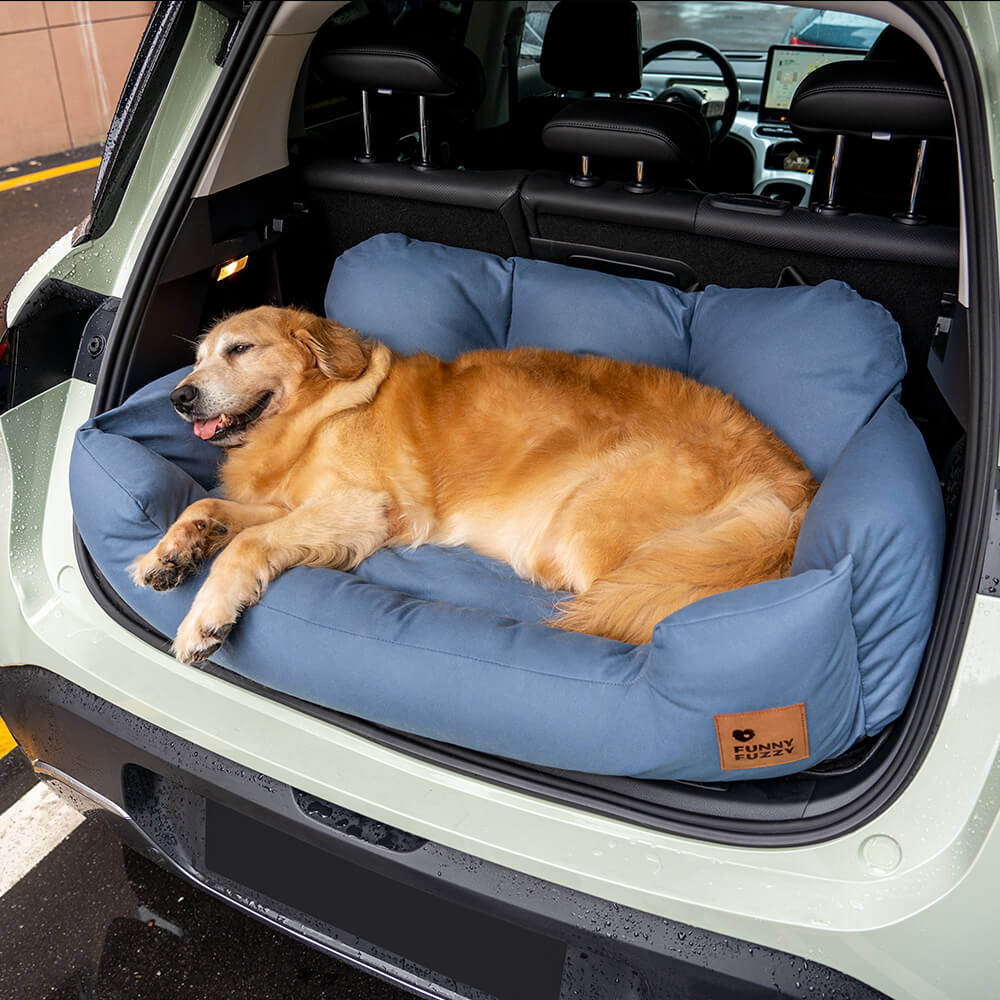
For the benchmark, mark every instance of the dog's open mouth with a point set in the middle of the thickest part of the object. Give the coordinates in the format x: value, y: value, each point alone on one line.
x: 225, y: 424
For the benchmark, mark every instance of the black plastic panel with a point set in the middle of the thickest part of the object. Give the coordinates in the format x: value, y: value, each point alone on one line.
x: 859, y: 237
x: 46, y: 334
x: 460, y: 942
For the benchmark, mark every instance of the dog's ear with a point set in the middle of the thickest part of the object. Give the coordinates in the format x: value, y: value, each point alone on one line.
x: 340, y: 352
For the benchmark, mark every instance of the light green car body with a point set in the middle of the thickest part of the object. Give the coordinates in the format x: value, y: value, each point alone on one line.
x: 908, y: 903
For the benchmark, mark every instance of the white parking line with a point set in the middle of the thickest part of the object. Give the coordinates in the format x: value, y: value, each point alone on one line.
x: 35, y: 824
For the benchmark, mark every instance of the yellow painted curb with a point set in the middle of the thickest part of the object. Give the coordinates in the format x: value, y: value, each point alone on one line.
x: 6, y: 740
x: 44, y: 175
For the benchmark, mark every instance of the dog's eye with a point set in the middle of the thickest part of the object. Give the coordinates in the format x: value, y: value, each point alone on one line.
x: 239, y: 348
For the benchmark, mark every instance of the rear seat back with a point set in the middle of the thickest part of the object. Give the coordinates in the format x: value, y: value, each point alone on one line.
x: 480, y: 210
x: 351, y: 199
x: 691, y: 240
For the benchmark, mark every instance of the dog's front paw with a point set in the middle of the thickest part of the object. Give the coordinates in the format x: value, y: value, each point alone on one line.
x: 179, y: 554
x: 215, y: 611
x: 197, y: 641
x: 162, y: 572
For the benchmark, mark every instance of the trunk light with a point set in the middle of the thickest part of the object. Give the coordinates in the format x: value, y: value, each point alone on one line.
x: 231, y: 267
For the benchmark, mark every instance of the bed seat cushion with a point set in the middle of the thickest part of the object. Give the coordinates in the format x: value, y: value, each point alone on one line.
x: 451, y: 645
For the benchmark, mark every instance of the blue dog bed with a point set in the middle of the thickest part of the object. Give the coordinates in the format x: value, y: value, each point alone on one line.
x: 758, y: 682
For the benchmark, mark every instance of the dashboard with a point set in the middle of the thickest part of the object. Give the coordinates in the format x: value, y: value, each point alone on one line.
x: 782, y: 164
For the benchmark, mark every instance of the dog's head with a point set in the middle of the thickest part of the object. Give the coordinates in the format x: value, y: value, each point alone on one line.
x: 254, y: 365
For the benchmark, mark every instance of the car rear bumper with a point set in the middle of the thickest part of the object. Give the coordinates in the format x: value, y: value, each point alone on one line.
x: 435, y: 920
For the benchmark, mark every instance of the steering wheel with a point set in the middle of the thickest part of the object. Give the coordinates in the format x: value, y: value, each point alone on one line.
x: 719, y: 124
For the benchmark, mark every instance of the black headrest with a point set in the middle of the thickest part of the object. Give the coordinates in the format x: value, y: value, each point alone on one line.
x: 593, y: 45
x: 631, y: 130
x: 433, y: 67
x: 871, y: 96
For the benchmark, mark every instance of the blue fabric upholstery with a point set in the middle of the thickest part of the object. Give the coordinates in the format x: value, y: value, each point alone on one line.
x: 450, y: 645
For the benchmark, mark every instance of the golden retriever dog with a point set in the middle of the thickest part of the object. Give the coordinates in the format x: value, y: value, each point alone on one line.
x: 633, y: 487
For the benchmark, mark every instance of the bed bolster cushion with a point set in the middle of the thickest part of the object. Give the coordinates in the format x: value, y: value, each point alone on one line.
x: 882, y: 502
x: 813, y: 362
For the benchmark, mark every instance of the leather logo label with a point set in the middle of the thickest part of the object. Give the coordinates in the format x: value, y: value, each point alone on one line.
x: 762, y: 739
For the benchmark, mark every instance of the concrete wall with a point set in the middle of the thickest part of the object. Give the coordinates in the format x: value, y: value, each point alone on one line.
x: 62, y: 67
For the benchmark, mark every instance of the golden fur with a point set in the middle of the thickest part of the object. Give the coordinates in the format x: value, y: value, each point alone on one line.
x: 633, y: 487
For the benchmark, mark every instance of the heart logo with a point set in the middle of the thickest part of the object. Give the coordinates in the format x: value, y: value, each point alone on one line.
x: 743, y: 735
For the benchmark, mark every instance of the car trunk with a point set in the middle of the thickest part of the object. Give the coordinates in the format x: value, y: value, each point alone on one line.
x: 292, y: 223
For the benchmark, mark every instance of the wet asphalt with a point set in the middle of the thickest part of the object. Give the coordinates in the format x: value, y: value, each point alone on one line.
x: 93, y: 920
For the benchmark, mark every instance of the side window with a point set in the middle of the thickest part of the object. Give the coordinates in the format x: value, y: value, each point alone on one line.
x: 140, y: 98
x: 536, y: 19
x: 529, y: 77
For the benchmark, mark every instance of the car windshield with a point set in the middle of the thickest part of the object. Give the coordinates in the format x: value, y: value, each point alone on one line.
x: 732, y: 27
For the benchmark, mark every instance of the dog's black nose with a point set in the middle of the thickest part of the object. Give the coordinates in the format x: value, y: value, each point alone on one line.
x: 183, y: 397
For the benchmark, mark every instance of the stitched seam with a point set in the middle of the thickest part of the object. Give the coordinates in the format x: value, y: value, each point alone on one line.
x: 855, y: 568
x: 866, y: 88
x: 447, y: 652
x: 393, y: 54
x: 631, y: 130
x: 510, y: 300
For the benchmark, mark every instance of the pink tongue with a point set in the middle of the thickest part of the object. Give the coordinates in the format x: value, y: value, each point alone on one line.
x: 206, y: 428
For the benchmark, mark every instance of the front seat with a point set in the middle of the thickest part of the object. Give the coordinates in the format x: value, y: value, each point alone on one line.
x: 589, y: 48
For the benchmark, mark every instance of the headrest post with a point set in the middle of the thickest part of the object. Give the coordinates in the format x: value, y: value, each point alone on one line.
x: 640, y: 185
x: 425, y: 146
x: 585, y: 178
x: 910, y: 217
x: 368, y: 156
x: 830, y: 207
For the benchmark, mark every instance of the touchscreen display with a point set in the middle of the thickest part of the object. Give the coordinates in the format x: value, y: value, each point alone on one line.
x: 787, y: 67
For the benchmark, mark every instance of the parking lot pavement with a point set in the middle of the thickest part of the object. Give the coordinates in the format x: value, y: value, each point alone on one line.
x: 81, y: 916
